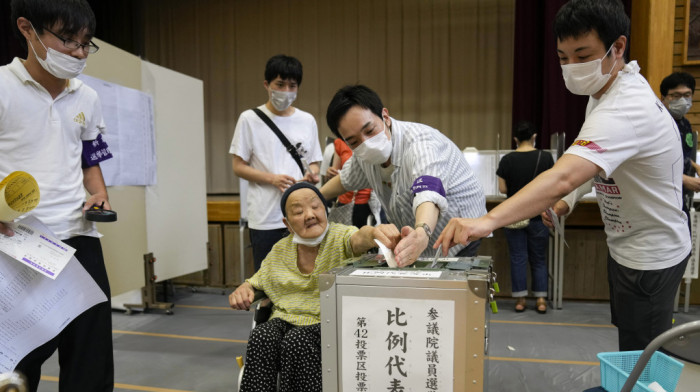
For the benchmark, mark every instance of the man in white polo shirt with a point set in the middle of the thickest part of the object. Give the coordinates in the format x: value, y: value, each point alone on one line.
x: 50, y: 126
x: 629, y: 147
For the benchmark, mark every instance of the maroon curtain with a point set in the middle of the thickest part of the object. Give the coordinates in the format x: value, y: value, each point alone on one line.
x: 539, y: 94
x: 119, y: 22
x: 9, y: 44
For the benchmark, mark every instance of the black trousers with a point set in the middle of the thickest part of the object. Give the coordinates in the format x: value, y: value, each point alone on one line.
x: 84, y: 346
x: 641, y: 302
x: 278, y: 346
x: 262, y: 242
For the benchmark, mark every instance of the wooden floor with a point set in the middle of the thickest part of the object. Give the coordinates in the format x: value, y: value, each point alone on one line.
x: 195, y: 349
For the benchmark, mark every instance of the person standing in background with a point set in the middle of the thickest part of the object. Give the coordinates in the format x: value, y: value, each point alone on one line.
x: 527, y: 243
x: 50, y: 126
x: 677, y: 91
x: 260, y: 156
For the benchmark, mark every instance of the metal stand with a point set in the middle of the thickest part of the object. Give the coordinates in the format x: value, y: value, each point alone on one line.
x: 148, y: 293
x: 556, y: 265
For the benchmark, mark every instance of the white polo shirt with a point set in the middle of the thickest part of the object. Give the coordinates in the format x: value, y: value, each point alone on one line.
x: 258, y: 145
x: 629, y: 134
x: 43, y: 137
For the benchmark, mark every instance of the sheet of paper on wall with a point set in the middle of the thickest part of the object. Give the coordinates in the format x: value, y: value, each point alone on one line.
x: 33, y: 246
x: 34, y: 308
x: 130, y: 133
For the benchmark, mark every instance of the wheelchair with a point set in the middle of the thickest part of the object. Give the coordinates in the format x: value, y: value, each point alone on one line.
x: 261, y: 313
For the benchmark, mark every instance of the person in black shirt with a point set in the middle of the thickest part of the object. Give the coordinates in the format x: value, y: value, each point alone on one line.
x: 677, y: 95
x: 527, y: 242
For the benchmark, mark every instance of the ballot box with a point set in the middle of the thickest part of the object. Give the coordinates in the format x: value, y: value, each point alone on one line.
x: 420, y: 328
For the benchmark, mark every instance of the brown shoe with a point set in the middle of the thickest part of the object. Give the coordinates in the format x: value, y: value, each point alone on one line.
x: 520, y: 305
x: 541, y: 306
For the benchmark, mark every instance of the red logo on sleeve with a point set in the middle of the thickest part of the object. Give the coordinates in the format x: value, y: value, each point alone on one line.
x: 589, y: 144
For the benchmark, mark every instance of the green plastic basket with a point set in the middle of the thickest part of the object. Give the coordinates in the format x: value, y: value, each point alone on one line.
x: 615, y: 367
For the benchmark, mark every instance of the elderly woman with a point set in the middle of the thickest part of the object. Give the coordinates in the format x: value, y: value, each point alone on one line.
x: 290, y: 342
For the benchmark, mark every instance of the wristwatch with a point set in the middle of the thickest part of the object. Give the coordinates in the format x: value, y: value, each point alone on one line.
x: 426, y: 228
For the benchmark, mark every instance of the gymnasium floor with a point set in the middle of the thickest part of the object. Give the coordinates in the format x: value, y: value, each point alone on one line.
x: 195, y: 349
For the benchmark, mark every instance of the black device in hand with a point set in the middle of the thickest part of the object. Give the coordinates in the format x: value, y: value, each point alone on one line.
x: 99, y: 214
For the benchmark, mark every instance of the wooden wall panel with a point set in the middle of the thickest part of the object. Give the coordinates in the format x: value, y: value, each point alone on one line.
x: 446, y: 63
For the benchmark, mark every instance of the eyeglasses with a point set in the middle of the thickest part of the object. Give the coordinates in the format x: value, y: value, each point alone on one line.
x: 90, y: 47
x: 676, y: 96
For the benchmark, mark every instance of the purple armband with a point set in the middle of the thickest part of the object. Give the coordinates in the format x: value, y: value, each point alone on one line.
x: 428, y: 183
x: 94, y: 152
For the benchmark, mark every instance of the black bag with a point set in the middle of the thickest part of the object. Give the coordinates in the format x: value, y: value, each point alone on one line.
x: 293, y: 151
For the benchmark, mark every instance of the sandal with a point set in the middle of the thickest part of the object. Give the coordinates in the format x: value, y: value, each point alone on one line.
x: 520, y: 305
x: 541, y: 306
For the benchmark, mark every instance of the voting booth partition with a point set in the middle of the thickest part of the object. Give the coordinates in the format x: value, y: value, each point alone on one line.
x: 167, y: 217
x: 416, y: 328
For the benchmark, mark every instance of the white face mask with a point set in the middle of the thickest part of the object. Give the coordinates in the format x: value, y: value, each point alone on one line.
x: 586, y: 78
x: 311, y: 242
x: 58, y: 64
x: 281, y: 100
x: 679, y: 107
x: 375, y: 150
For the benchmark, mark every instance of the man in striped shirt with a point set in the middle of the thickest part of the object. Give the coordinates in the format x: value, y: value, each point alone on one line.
x: 421, y: 177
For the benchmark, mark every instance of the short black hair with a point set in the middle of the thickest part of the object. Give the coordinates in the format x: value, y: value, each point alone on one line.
x: 677, y: 79
x: 286, y: 67
x: 524, y: 130
x: 346, y: 98
x: 606, y: 17
x: 70, y: 16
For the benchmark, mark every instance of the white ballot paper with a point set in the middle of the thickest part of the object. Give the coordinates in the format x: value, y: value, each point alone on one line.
x: 34, y: 308
x: 34, y: 247
x: 388, y: 254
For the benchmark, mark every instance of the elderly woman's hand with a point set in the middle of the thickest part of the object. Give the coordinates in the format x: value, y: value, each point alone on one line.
x: 387, y: 234
x: 242, y: 297
x: 363, y: 239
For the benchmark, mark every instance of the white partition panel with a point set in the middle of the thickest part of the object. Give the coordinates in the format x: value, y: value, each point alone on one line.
x: 124, y: 241
x: 176, y: 207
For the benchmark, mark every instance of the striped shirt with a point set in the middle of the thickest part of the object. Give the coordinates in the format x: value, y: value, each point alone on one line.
x: 420, y: 150
x: 295, y: 295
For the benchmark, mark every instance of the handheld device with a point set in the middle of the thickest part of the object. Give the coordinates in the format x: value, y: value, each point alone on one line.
x: 99, y: 214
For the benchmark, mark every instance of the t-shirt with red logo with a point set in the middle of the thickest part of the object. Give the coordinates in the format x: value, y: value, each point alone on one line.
x: 629, y: 134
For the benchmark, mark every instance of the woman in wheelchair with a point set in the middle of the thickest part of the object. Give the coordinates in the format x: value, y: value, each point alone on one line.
x: 290, y: 342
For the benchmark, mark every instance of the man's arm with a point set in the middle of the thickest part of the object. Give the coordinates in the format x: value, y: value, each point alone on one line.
x: 333, y: 188
x: 566, y: 205
x: 95, y: 185
x: 570, y: 172
x: 414, y: 239
x: 244, y: 171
